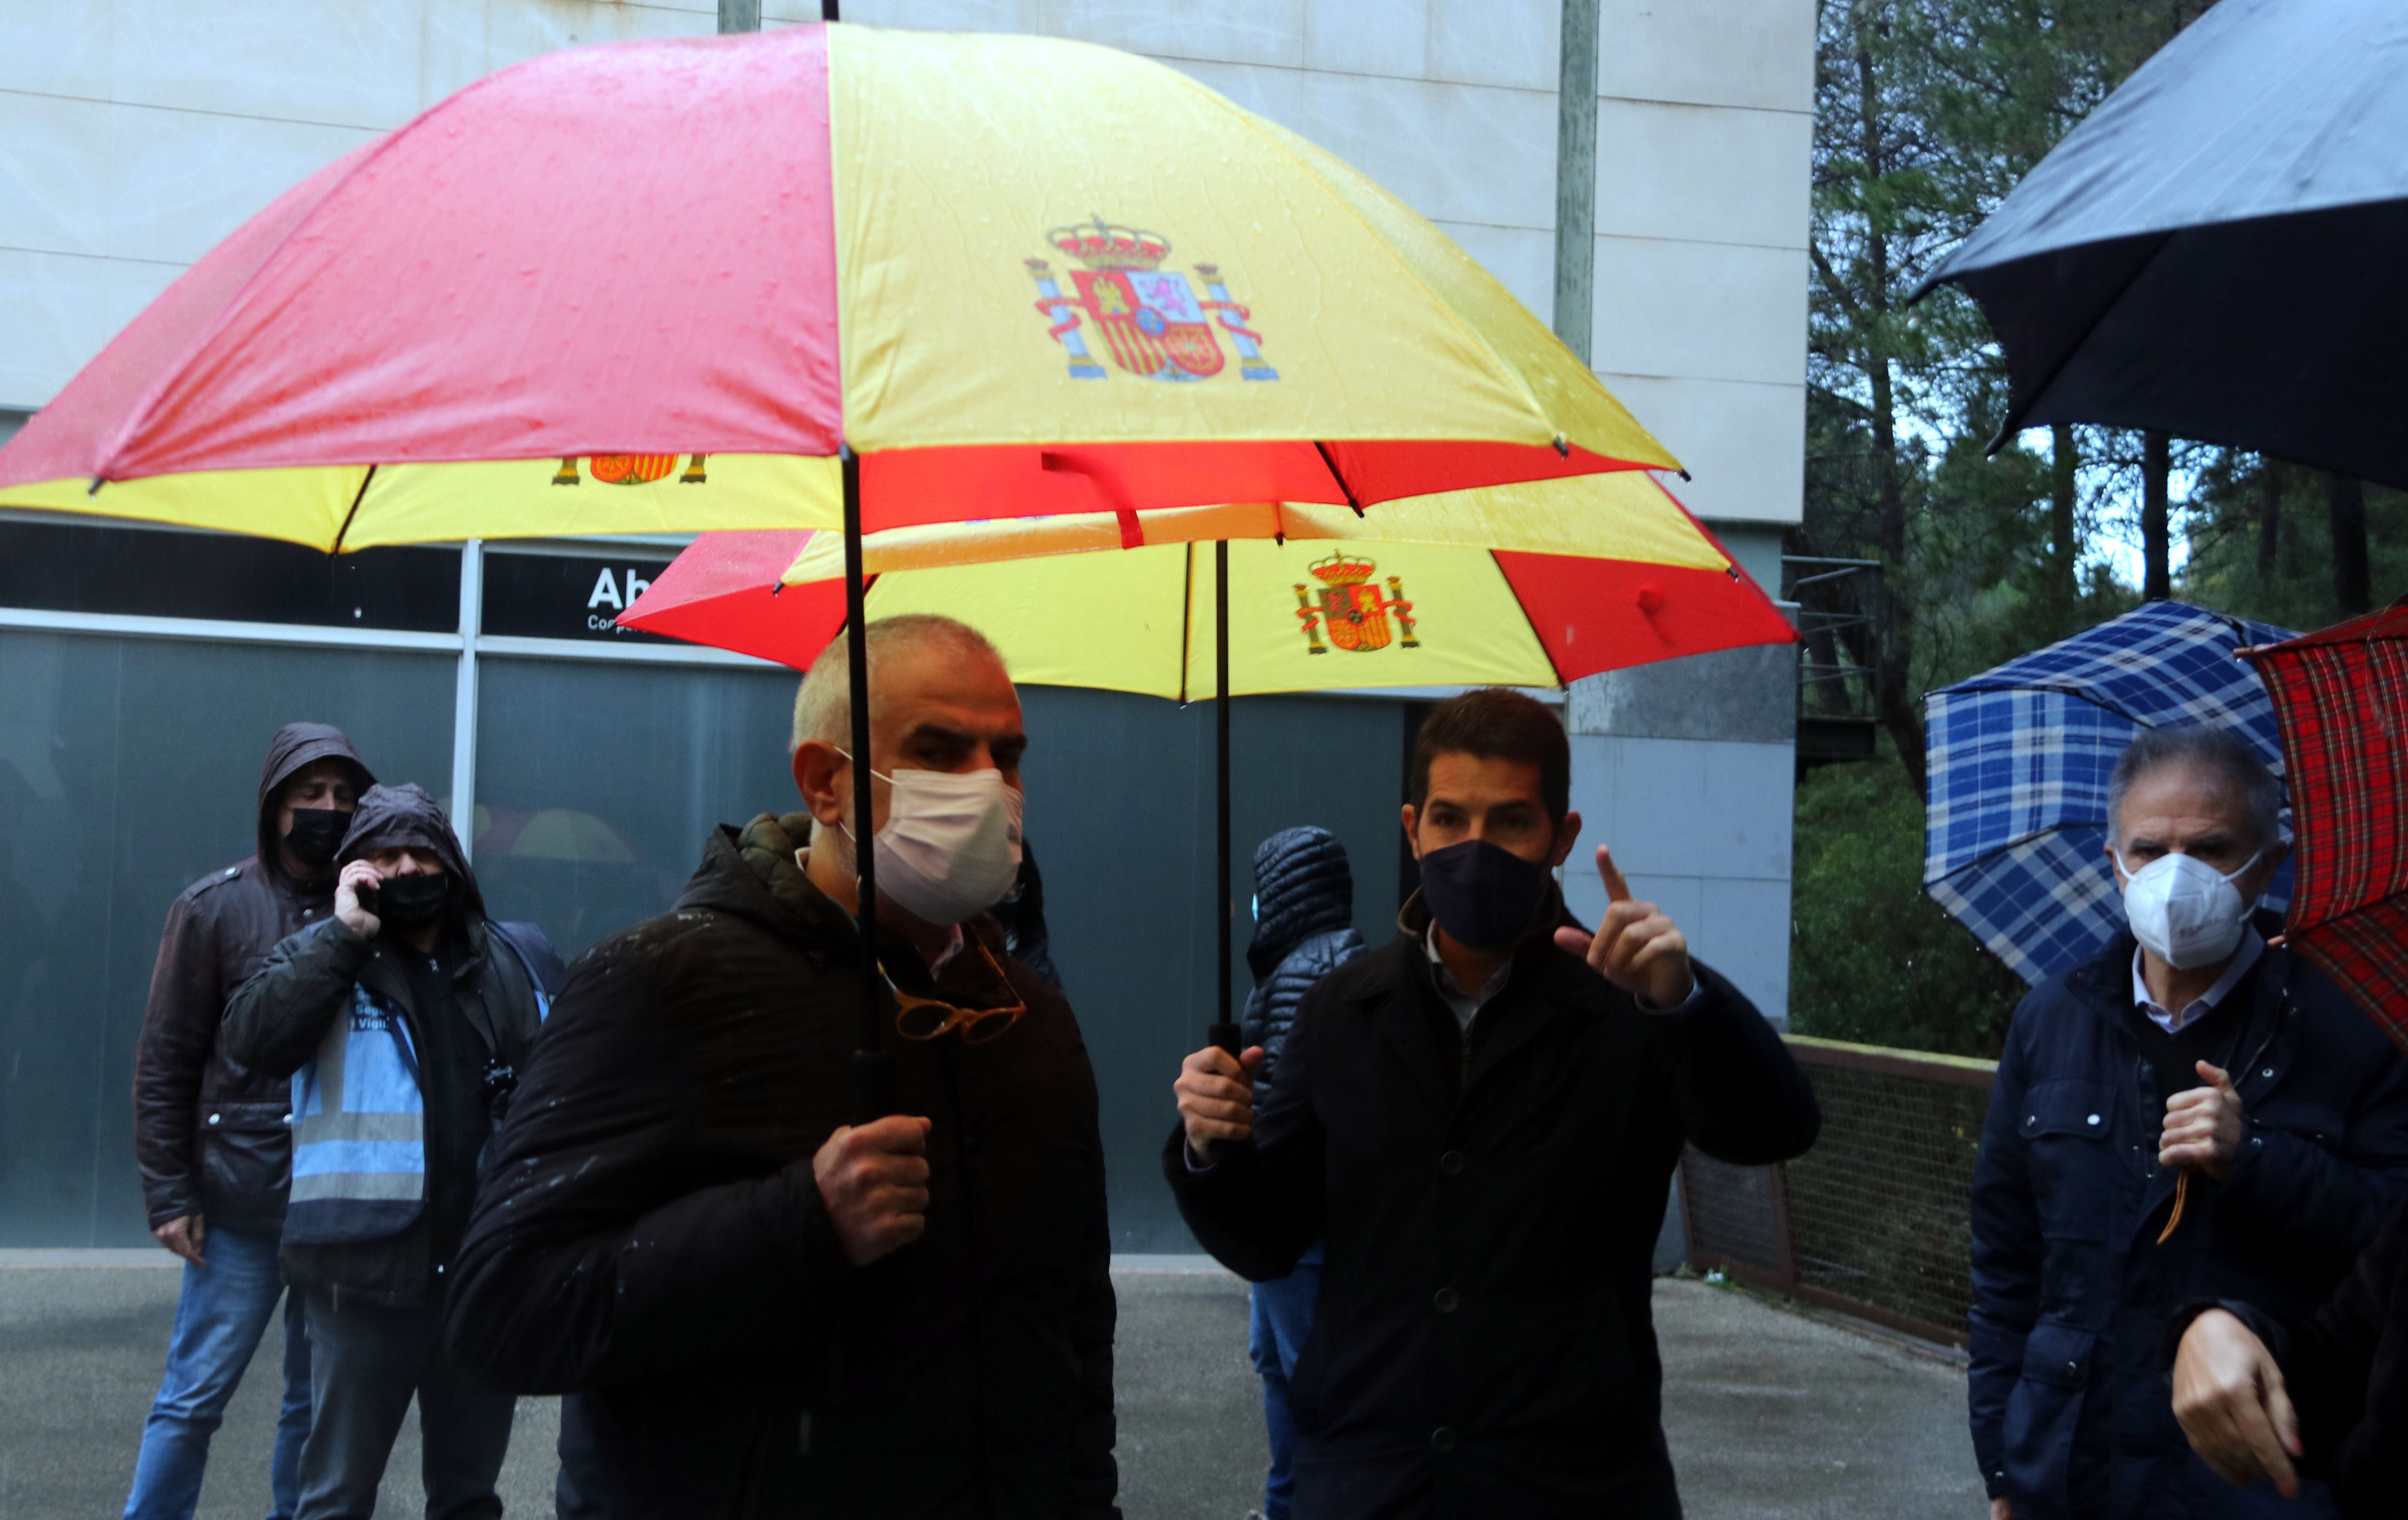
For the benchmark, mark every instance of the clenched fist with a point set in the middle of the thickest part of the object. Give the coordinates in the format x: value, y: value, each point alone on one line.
x: 1216, y: 1100
x: 2202, y: 1126
x: 874, y: 1180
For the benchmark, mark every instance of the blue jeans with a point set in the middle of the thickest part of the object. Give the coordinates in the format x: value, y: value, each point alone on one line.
x: 1282, y: 1317
x: 219, y: 1317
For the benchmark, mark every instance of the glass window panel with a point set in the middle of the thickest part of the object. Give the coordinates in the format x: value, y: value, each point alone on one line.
x: 129, y: 768
x: 597, y: 783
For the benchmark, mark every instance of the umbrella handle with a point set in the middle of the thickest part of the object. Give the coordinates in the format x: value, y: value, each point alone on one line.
x: 1224, y: 1036
x: 873, y: 1086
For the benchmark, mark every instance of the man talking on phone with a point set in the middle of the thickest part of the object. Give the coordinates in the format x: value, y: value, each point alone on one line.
x: 405, y: 1017
x: 1481, y: 1120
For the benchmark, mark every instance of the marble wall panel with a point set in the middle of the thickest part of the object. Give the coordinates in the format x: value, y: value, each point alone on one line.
x: 923, y: 15
x: 351, y: 64
x: 1453, y: 152
x: 1703, y: 174
x: 1277, y: 94
x: 1728, y: 312
x: 1483, y: 42
x: 1230, y: 31
x: 59, y: 309
x: 1744, y: 443
x: 59, y: 48
x: 1369, y: 37
x: 1742, y: 931
x: 54, y: 155
x: 1709, y: 53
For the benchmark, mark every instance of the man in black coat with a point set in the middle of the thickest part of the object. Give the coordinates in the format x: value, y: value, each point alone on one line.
x: 1482, y: 1118
x: 754, y: 1307
x: 2191, y: 1070
x: 212, y: 1138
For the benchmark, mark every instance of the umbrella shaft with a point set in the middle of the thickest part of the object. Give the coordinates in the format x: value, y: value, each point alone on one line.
x: 1228, y: 910
x: 874, y: 1070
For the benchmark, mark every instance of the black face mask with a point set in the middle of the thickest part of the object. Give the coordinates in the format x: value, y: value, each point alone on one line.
x: 316, y: 834
x: 1481, y: 895
x: 411, y: 902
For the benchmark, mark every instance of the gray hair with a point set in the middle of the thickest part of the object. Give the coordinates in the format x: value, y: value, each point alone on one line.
x: 2215, y: 752
x: 823, y: 703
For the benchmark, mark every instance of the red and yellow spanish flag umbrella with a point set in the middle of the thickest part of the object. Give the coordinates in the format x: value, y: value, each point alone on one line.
x: 660, y: 286
x: 821, y: 278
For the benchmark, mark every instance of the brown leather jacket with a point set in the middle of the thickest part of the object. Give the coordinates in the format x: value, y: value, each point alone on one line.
x: 211, y: 1138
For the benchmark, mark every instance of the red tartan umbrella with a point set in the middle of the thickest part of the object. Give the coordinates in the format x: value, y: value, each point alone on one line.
x: 2341, y: 698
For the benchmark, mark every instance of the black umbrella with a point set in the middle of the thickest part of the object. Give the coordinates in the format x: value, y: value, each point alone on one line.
x: 2220, y: 250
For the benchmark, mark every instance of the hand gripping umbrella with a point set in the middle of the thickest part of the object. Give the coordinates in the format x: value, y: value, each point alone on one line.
x: 821, y: 278
x: 2340, y: 695
x: 1531, y: 585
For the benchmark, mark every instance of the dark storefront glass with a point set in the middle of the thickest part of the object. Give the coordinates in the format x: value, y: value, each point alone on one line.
x: 129, y: 768
x: 1121, y: 813
x: 596, y: 783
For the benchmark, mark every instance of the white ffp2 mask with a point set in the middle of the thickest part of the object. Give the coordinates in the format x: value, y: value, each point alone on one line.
x: 951, y: 847
x: 2183, y: 910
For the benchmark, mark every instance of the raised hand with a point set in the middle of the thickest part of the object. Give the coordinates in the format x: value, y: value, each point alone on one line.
x: 874, y: 1180
x: 2230, y: 1397
x: 1216, y: 1100
x: 1636, y: 948
x: 357, y: 876
x: 2202, y: 1128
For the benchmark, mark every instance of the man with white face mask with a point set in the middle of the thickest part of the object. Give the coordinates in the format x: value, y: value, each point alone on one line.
x: 755, y: 1306
x: 2197, y: 1115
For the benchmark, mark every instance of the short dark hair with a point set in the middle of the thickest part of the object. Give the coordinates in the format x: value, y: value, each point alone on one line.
x: 2216, y: 751
x: 1497, y: 725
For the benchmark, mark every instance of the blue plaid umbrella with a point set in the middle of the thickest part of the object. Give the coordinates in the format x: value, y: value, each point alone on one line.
x: 2016, y: 828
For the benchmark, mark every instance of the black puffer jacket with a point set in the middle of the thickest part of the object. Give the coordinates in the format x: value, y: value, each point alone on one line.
x: 209, y: 1137
x: 649, y: 1237
x: 1304, y: 930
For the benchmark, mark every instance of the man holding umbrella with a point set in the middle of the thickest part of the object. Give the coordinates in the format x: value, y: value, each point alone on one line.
x: 2195, y: 1115
x: 1480, y: 1119
x: 759, y: 1300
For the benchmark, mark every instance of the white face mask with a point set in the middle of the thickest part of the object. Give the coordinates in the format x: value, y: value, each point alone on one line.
x: 2183, y: 910
x: 951, y: 847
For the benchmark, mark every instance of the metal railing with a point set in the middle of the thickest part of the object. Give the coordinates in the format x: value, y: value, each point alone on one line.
x: 1874, y: 1221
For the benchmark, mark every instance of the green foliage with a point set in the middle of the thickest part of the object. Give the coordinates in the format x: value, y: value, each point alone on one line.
x: 2296, y: 591
x: 1871, y: 959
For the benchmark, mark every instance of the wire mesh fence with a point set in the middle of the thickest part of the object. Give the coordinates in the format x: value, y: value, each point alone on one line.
x: 1875, y: 1218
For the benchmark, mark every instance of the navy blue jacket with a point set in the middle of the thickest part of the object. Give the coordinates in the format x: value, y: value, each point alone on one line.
x: 2071, y: 1413
x: 1304, y: 930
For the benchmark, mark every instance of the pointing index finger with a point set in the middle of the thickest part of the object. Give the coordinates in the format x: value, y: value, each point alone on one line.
x: 1617, y: 889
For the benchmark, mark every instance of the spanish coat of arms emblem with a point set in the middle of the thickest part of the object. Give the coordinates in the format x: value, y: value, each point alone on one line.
x: 630, y: 469
x: 1148, y: 318
x: 1349, y: 605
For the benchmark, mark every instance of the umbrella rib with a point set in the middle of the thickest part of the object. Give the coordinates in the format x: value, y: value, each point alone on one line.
x: 1187, y: 622
x: 357, y: 497
x: 1337, y: 475
x: 2015, y: 418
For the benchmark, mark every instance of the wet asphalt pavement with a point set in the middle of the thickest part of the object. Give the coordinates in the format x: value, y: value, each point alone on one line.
x: 1771, y: 1415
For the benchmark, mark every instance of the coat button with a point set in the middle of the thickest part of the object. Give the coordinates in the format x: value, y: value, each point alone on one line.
x: 1446, y: 1300
x: 1442, y: 1438
x: 2093, y: 1119
x: 2070, y: 1366
x: 214, y: 1118
x: 1451, y: 1164
x: 2268, y: 1072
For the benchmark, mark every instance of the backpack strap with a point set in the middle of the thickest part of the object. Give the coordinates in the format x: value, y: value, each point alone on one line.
x: 542, y: 963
